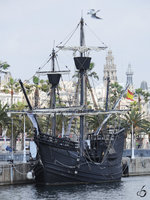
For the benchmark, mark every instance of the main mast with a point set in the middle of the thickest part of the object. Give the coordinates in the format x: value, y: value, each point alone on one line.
x: 82, y: 98
x: 82, y: 64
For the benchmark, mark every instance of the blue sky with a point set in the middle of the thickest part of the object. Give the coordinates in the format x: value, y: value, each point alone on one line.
x: 29, y: 28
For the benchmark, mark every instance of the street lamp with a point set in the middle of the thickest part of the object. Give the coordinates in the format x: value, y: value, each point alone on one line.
x: 24, y: 149
x: 12, y: 135
x: 132, y: 144
x: 12, y: 154
x: 24, y: 137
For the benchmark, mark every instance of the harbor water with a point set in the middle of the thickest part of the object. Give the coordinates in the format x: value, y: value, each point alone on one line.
x: 127, y: 188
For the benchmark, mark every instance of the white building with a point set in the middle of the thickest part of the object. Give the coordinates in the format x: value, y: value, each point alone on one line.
x: 5, y: 97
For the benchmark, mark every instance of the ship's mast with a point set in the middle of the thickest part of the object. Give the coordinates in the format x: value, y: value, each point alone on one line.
x: 53, y: 93
x: 53, y: 78
x: 82, y: 64
x: 82, y: 41
x: 82, y: 98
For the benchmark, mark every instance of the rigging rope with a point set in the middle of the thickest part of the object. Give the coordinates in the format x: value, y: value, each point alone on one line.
x: 71, y: 34
x: 96, y: 35
x: 63, y: 83
x: 38, y: 70
x: 95, y: 94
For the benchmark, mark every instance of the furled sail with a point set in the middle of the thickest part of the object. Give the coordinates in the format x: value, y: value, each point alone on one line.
x: 82, y: 49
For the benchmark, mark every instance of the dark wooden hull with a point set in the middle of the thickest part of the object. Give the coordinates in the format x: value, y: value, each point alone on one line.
x: 60, y: 164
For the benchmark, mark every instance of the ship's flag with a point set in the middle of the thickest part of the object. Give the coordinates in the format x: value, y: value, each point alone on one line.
x: 130, y: 95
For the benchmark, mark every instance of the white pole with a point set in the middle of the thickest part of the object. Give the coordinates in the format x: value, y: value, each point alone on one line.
x: 132, y: 156
x: 5, y: 144
x: 24, y: 150
x: 63, y: 128
x: 12, y: 137
x: 12, y: 153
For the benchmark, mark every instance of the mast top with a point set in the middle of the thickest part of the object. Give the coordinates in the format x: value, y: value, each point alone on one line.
x: 82, y: 48
x: 53, y: 60
x: 53, y: 75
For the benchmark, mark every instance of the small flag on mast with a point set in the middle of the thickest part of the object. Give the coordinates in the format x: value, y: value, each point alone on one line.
x: 130, y: 95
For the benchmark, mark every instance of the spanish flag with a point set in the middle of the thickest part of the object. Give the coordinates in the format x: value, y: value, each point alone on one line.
x: 130, y: 95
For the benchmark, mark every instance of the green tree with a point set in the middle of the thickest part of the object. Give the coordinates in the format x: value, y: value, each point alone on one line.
x: 4, y: 119
x: 94, y: 121
x: 29, y: 89
x: 36, y: 92
x: 139, y: 93
x: 16, y: 125
x: 11, y: 87
x: 39, y: 85
x: 146, y: 96
x: 3, y: 66
x: 136, y: 119
x: 91, y: 73
x: 115, y: 91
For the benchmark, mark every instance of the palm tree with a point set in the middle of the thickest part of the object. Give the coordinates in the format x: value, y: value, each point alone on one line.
x: 139, y: 93
x: 11, y: 87
x: 142, y: 95
x: 17, y: 125
x: 4, y: 119
x: 136, y: 119
x: 146, y: 96
x: 29, y: 89
x: 94, y: 122
x: 115, y: 91
x: 3, y: 67
x: 39, y: 85
x: 36, y: 92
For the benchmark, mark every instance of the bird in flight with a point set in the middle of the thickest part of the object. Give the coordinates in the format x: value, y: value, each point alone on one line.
x: 93, y: 13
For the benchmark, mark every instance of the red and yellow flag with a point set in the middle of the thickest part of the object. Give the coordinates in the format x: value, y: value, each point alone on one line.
x: 130, y: 95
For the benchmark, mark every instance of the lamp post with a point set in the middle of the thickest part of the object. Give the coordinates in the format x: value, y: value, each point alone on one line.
x: 24, y: 149
x: 12, y: 153
x: 12, y: 137
x: 132, y: 142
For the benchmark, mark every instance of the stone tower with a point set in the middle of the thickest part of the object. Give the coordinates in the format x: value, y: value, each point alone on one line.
x: 129, y: 74
x: 110, y: 69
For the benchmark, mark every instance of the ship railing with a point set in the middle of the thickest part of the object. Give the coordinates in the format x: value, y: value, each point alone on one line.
x: 64, y: 142
x: 108, y: 134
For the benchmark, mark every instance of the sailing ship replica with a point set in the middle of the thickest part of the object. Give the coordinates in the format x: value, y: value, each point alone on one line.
x: 96, y: 157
